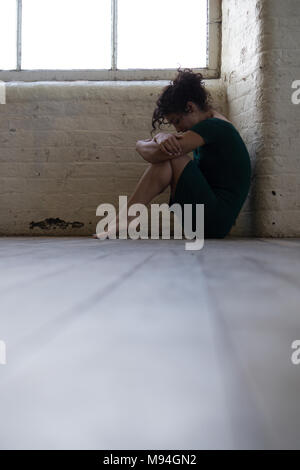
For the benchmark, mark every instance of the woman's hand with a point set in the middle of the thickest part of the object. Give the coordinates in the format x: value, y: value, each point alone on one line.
x: 168, y: 143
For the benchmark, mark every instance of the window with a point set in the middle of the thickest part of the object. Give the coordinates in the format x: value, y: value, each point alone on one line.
x: 108, y: 39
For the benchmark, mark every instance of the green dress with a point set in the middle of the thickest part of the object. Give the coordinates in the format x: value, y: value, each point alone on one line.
x: 219, y: 177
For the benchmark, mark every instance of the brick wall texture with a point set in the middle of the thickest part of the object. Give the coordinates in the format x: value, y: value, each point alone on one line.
x: 260, y: 61
x: 66, y: 147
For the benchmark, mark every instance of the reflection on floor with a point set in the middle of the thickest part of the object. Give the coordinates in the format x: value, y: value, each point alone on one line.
x: 123, y: 344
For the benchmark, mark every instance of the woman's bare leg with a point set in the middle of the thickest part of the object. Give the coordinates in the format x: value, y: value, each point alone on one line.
x: 156, y: 178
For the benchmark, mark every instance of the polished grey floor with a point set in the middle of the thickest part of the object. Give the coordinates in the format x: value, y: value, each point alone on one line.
x: 123, y: 344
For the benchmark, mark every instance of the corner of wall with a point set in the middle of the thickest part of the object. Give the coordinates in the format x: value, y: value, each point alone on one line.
x: 259, y: 61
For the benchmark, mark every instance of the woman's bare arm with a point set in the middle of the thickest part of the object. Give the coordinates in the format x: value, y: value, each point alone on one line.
x: 150, y: 151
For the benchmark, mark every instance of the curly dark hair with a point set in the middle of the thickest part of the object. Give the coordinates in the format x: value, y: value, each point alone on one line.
x: 187, y: 86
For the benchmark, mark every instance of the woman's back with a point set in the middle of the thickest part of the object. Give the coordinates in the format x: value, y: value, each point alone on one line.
x: 224, y: 161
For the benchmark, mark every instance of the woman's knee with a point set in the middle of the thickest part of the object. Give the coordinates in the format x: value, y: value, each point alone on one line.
x: 162, y: 170
x: 178, y: 164
x: 162, y: 174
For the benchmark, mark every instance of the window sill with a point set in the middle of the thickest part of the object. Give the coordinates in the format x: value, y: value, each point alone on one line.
x: 141, y: 75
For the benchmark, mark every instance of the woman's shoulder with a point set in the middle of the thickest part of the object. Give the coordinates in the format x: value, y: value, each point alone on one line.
x: 214, y: 124
x: 216, y: 119
x: 223, y: 124
x: 220, y: 117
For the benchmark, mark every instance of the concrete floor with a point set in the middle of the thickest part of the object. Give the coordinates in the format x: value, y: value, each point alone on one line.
x: 123, y: 344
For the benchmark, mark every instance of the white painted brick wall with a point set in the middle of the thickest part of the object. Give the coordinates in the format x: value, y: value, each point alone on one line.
x: 242, y: 74
x: 260, y: 60
x: 66, y: 147
x: 282, y: 119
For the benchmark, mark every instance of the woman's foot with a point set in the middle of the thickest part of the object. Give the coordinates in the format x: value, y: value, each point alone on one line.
x: 110, y: 233
x: 113, y: 229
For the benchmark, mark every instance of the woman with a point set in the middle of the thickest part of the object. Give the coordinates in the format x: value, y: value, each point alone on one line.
x: 219, y: 173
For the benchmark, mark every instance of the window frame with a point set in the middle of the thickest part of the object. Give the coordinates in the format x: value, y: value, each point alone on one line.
x: 212, y: 69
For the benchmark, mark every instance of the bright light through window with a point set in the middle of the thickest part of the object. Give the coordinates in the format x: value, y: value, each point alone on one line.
x: 8, y: 34
x: 162, y: 33
x: 77, y: 34
x: 66, y: 34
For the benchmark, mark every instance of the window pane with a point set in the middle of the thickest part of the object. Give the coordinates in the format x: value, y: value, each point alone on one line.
x: 8, y: 34
x: 162, y: 34
x: 66, y: 34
